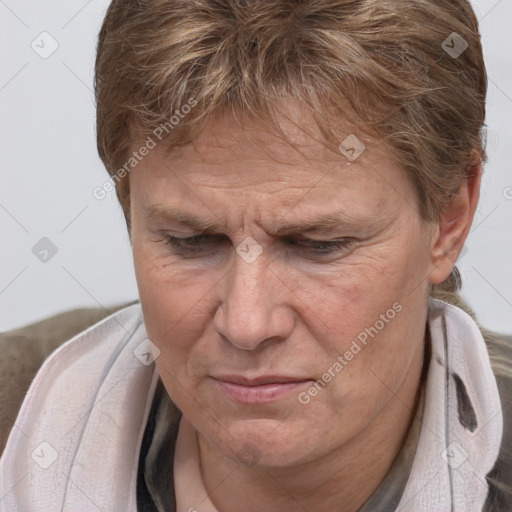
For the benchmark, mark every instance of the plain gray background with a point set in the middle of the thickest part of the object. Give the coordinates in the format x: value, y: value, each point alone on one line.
x: 49, y: 168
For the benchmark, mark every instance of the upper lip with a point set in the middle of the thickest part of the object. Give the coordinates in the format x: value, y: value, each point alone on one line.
x: 260, y: 380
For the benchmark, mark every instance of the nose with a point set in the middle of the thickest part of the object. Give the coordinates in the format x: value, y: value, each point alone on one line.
x: 252, y: 307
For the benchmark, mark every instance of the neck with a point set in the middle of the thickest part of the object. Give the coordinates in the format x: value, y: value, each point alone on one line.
x: 348, y: 475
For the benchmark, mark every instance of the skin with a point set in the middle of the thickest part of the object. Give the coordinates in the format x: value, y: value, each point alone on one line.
x: 292, y: 311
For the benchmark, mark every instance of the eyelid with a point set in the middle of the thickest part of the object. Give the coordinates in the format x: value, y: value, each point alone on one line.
x: 174, y: 240
x: 324, y: 238
x: 324, y: 250
x: 288, y: 238
x: 186, y: 236
x: 332, y: 241
x: 310, y: 248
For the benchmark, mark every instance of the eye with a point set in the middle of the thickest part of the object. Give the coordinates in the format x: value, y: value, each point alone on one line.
x: 192, y: 244
x: 197, y: 244
x: 319, y: 248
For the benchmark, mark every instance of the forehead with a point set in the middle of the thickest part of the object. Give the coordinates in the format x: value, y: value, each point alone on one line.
x: 293, y: 139
x: 292, y: 168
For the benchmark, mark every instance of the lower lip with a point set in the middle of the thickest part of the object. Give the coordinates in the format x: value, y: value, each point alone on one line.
x: 262, y: 394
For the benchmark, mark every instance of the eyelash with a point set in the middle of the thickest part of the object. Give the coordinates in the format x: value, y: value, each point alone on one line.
x: 323, y: 247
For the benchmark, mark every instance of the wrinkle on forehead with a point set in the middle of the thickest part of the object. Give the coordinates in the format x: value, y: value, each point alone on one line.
x: 293, y: 128
x: 246, y: 168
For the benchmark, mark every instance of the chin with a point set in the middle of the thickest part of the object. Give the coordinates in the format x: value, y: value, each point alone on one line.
x: 265, y: 443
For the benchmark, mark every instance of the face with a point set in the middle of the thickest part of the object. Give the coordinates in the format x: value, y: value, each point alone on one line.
x: 285, y: 287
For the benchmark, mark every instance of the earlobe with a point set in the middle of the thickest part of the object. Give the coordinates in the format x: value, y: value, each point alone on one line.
x: 454, y: 224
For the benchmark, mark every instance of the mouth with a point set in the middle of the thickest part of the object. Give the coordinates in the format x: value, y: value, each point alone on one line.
x: 259, y: 390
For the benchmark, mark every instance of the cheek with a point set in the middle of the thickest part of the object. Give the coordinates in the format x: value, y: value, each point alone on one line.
x: 176, y: 305
x: 337, y: 305
x: 366, y: 313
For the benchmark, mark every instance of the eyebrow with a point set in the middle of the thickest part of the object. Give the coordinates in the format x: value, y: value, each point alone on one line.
x: 323, y: 223
x: 168, y: 214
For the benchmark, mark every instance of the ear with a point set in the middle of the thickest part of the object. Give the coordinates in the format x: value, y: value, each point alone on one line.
x: 454, y: 224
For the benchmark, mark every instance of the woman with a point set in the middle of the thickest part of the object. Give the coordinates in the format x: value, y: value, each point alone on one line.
x: 298, y: 180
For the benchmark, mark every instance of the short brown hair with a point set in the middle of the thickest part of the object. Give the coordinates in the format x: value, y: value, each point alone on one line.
x: 384, y: 65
